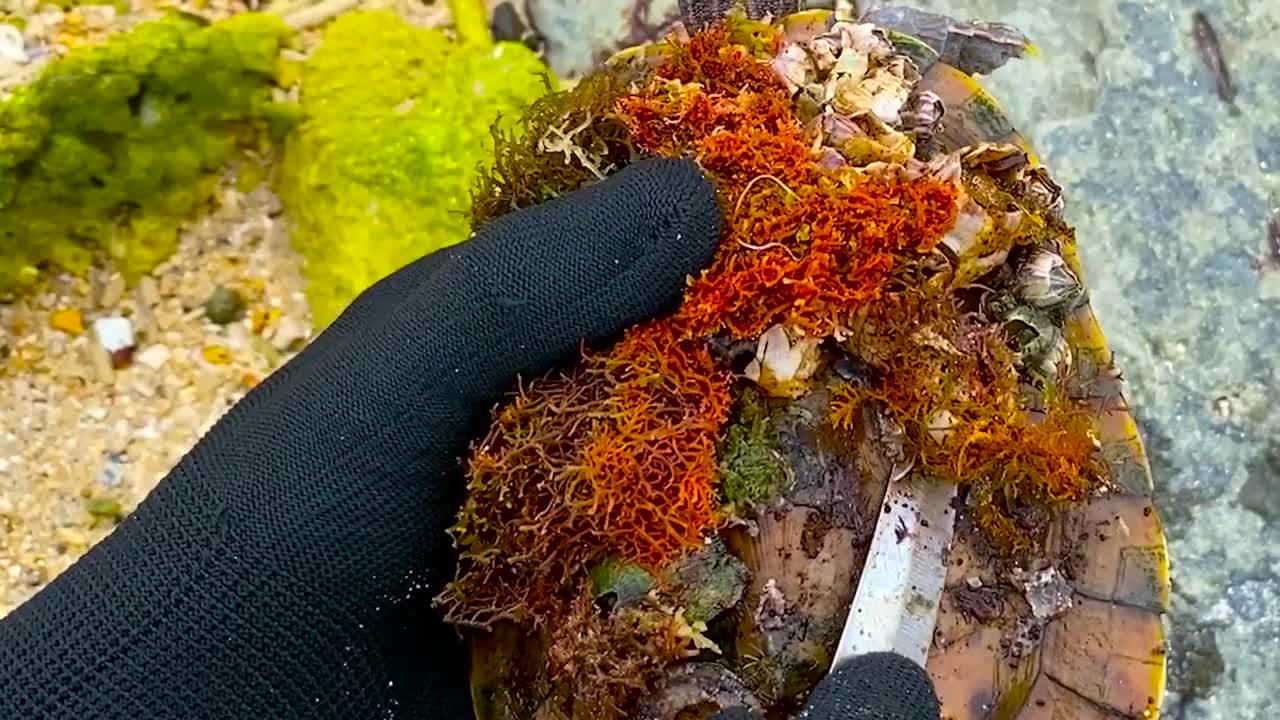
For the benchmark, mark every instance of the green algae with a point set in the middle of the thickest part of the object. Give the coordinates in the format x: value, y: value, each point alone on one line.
x: 622, y: 582
x: 750, y: 467
x: 113, y: 147
x: 379, y: 173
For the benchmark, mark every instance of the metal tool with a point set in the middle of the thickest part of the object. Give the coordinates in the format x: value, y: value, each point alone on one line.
x: 896, y: 605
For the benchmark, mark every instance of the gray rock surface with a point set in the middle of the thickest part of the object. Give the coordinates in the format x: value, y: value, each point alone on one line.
x: 1170, y: 192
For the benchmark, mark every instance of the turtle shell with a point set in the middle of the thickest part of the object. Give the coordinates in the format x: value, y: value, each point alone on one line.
x: 1057, y: 579
x: 1104, y: 656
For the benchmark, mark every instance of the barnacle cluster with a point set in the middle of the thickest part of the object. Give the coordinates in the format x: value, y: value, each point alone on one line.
x: 852, y: 234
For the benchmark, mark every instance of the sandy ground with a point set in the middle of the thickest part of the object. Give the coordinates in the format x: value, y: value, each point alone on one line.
x: 86, y: 436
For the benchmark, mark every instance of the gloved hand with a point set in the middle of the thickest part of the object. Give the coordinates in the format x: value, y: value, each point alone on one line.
x: 875, y: 686
x: 285, y: 567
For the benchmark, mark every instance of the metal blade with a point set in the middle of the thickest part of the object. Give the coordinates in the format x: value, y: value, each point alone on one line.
x: 896, y: 605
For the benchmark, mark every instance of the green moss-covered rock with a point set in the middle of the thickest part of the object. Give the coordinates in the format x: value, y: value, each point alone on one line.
x: 397, y: 125
x: 114, y: 146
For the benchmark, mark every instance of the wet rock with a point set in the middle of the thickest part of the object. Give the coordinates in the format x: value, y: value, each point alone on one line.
x: 620, y: 584
x: 1196, y: 666
x: 579, y: 34
x: 696, y: 691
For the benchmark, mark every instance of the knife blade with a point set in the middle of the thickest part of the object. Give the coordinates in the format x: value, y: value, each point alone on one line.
x: 895, y: 607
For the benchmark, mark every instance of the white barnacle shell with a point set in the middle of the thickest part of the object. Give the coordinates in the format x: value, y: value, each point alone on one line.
x: 1045, y: 281
x: 784, y: 362
x: 794, y: 67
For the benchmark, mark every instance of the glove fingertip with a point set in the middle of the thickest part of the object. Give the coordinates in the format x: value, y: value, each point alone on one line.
x: 674, y: 198
x: 875, y: 686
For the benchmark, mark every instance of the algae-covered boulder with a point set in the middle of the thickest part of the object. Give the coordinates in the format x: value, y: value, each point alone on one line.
x: 398, y: 119
x: 114, y: 146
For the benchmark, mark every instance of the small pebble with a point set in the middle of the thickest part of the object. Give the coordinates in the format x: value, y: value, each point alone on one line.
x: 225, y: 305
x: 262, y: 317
x: 105, y: 508
x: 153, y: 357
x: 148, y: 291
x: 290, y: 335
x: 72, y: 536
x: 67, y: 320
x: 1222, y: 409
x: 112, y: 291
x: 216, y: 355
x: 100, y: 361
x: 112, y: 473
x: 114, y: 333
x: 122, y: 358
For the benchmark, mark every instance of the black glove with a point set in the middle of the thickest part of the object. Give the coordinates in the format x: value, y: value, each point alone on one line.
x: 285, y: 568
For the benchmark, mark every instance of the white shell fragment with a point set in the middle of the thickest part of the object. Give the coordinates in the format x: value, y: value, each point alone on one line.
x: 940, y: 424
x: 852, y: 63
x: 1047, y: 592
x: 794, y: 67
x: 880, y: 92
x: 963, y: 237
x: 114, y: 333
x: 783, y: 364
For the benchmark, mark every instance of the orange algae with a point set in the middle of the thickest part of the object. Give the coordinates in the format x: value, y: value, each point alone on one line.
x: 615, y: 458
x: 953, y: 385
x: 618, y: 457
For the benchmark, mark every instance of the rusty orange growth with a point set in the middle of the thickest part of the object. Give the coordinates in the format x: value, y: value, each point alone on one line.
x: 800, y: 246
x: 614, y: 459
x: 953, y: 386
x: 618, y: 458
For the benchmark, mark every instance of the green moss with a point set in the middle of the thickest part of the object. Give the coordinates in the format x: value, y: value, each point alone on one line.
x: 751, y: 468
x: 471, y: 21
x: 114, y: 146
x: 378, y: 174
